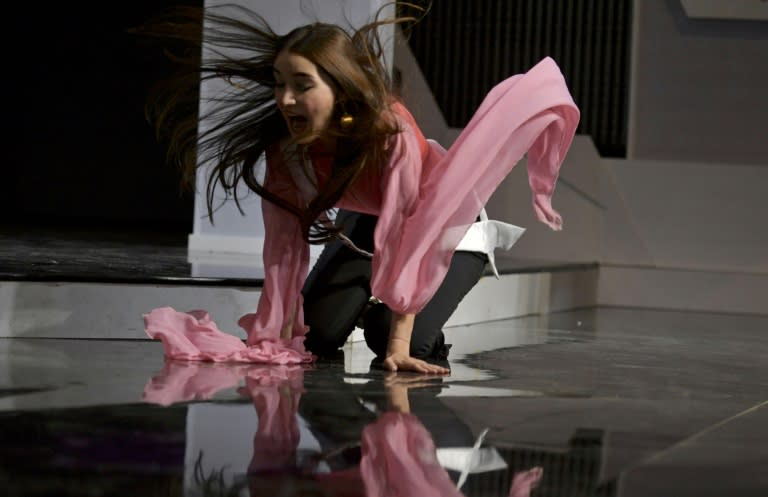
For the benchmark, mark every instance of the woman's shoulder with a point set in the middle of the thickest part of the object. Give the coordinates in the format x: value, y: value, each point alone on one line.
x: 403, y: 118
x: 407, y: 124
x: 401, y: 113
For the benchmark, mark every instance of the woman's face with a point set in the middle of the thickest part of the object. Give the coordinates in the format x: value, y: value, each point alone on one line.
x: 303, y: 96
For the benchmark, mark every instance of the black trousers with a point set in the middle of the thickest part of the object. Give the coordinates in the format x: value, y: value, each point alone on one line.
x: 337, y: 292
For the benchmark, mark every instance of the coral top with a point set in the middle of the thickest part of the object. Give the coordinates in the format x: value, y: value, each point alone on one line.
x: 425, y: 199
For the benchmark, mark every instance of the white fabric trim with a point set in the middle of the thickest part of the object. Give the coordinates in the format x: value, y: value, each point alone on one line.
x: 485, y: 236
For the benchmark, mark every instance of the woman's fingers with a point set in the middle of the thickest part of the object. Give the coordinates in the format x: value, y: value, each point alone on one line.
x: 426, y: 367
x: 401, y: 362
x: 419, y: 366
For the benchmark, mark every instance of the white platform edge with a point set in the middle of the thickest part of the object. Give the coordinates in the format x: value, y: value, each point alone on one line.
x: 71, y: 310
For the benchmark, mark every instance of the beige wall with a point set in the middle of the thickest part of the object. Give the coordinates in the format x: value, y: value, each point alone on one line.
x: 699, y: 88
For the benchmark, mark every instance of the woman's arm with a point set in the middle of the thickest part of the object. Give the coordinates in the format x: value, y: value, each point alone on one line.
x: 286, y: 261
x: 399, y: 348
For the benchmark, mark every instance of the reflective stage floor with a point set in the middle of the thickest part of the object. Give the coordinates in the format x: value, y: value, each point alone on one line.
x: 597, y: 402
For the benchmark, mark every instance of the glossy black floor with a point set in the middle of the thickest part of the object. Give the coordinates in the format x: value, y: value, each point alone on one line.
x: 604, y: 402
x: 594, y: 402
x: 32, y: 253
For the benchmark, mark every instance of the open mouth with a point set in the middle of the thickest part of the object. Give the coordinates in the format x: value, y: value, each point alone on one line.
x: 297, y: 124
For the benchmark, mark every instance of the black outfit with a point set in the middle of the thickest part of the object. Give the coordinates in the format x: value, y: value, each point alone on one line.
x: 337, y: 293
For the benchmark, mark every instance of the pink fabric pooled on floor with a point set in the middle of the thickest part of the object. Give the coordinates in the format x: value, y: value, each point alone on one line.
x: 193, y: 336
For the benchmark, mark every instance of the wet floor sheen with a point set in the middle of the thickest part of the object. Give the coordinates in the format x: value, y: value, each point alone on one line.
x: 601, y: 402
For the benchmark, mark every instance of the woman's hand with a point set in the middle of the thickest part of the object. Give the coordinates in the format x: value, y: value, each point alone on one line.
x: 399, y: 347
x: 398, y: 361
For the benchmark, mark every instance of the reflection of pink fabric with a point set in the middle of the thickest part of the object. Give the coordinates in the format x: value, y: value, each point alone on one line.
x: 275, y: 391
x: 400, y: 460
x: 184, y: 382
x: 398, y: 454
x: 193, y: 336
x: 188, y: 381
x: 277, y: 436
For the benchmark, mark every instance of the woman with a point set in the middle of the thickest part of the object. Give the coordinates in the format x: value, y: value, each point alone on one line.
x: 318, y: 104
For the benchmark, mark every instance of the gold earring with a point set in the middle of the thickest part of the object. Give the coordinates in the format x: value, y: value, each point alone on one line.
x: 346, y: 120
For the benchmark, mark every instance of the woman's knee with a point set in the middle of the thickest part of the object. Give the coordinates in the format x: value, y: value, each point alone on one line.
x: 329, y: 327
x: 376, y: 322
x: 324, y: 341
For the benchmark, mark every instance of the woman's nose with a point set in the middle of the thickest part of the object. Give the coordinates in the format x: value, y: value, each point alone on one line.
x: 286, y: 97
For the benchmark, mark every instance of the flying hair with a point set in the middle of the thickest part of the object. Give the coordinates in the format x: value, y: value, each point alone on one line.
x: 235, y: 48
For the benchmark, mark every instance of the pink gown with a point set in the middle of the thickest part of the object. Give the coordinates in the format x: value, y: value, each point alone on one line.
x: 425, y: 199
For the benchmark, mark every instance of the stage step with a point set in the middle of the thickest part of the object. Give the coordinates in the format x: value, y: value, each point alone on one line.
x: 113, y: 310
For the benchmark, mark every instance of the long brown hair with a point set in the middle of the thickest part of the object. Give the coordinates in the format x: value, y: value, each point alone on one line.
x: 237, y: 45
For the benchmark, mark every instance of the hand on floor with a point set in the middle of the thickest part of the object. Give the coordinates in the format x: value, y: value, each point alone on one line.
x: 404, y: 362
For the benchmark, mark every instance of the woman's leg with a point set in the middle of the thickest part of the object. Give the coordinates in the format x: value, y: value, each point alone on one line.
x: 427, y: 340
x: 338, y: 287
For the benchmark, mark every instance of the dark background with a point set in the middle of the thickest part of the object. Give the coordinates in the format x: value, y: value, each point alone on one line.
x: 464, y: 48
x: 79, y: 152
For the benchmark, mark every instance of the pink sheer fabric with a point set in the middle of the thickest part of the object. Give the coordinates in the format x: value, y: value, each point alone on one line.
x: 425, y: 203
x: 399, y: 459
x: 191, y: 381
x: 274, y: 390
x: 194, y: 336
x: 277, y: 435
x: 419, y: 230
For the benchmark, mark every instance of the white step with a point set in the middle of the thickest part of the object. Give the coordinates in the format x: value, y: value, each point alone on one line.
x: 115, y: 310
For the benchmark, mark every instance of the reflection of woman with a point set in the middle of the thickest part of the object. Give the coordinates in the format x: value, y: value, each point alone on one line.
x: 318, y: 104
x: 398, y: 454
x: 391, y: 454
